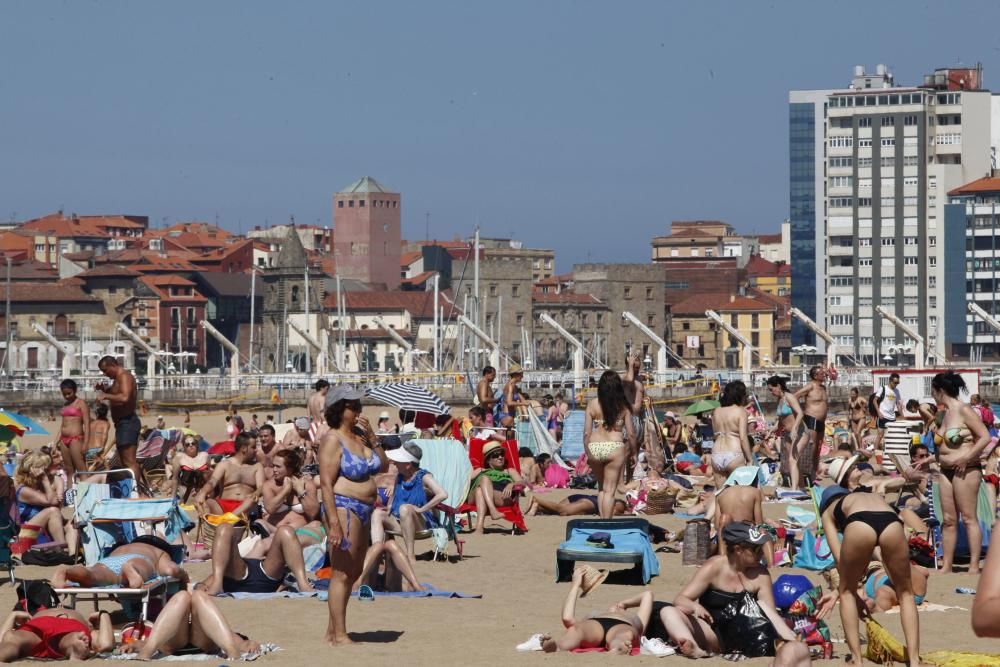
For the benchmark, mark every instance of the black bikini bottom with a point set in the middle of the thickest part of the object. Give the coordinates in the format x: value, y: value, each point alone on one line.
x: 950, y: 472
x: 878, y: 521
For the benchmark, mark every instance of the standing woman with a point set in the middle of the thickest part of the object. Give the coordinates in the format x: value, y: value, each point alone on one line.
x: 732, y: 447
x: 859, y: 413
x: 964, y: 439
x: 97, y: 437
x: 73, y: 430
x: 609, y: 439
x: 350, y: 456
x: 855, y: 524
x: 789, y: 429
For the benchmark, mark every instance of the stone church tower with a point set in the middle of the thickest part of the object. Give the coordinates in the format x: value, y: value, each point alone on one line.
x: 284, y: 298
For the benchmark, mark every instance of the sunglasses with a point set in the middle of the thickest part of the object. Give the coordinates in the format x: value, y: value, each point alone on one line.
x: 353, y: 406
x: 495, y: 455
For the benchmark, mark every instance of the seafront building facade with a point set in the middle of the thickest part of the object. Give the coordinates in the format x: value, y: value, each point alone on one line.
x: 881, y: 169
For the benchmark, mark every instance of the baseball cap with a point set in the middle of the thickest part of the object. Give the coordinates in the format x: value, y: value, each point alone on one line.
x: 302, y: 423
x: 743, y: 532
x: 384, y: 415
x: 840, y: 468
x: 671, y: 415
x: 343, y: 392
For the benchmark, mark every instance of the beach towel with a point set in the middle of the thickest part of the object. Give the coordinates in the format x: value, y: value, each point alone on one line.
x: 432, y: 592
x: 601, y: 649
x: 543, y: 441
x: 448, y: 461
x: 960, y: 659
x: 626, y: 540
x: 194, y: 657
x: 572, y: 443
x: 273, y: 596
x: 930, y: 606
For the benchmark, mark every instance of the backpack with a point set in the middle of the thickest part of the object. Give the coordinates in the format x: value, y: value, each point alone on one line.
x: 873, y: 403
x: 35, y: 594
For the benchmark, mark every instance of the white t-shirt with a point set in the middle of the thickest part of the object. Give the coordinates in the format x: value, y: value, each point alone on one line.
x: 891, y: 398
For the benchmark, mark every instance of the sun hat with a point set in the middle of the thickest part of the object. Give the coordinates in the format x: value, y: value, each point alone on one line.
x: 401, y: 455
x: 743, y: 532
x: 515, y: 369
x: 840, y: 468
x: 302, y: 423
x: 830, y: 494
x: 383, y: 415
x: 343, y: 392
x: 490, y: 448
x: 591, y: 579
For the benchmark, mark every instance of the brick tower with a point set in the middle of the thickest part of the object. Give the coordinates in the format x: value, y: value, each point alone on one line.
x: 366, y: 233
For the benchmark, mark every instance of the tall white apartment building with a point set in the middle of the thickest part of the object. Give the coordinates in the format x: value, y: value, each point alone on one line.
x: 891, y: 155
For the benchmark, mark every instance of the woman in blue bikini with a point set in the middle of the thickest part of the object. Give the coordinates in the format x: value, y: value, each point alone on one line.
x: 349, y: 458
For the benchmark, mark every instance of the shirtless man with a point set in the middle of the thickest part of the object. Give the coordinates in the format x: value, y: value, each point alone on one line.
x: 267, y: 446
x: 635, y: 394
x: 740, y: 500
x: 316, y: 405
x: 121, y: 395
x: 240, y: 479
x: 129, y: 565
x: 814, y: 399
x: 484, y: 393
x: 300, y: 438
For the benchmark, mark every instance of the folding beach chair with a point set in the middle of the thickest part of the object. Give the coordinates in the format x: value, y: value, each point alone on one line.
x: 512, y: 512
x: 151, y: 455
x: 448, y: 462
x: 106, y: 521
x: 984, y: 513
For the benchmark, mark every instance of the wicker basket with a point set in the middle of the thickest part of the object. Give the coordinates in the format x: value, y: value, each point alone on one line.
x: 660, y: 501
x: 697, y: 542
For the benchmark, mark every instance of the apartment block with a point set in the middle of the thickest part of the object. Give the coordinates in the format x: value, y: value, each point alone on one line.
x: 887, y: 156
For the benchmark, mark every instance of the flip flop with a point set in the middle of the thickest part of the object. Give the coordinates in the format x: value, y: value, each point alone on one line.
x: 591, y: 579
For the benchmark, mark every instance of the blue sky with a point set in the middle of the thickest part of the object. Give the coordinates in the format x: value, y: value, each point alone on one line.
x: 580, y: 126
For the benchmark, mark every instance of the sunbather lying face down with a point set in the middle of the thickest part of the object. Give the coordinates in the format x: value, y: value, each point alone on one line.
x: 129, y: 566
x: 54, y: 634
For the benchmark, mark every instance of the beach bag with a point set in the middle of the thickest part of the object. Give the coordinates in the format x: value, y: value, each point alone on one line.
x: 800, y: 616
x: 873, y: 402
x: 556, y: 477
x: 743, y: 628
x: 813, y: 553
x: 35, y: 594
x: 660, y: 501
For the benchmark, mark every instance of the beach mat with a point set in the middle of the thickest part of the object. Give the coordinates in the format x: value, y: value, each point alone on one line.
x: 432, y: 593
x: 273, y: 596
x: 194, y: 657
x: 960, y: 659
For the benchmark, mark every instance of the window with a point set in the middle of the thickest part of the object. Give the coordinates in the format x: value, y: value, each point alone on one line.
x: 864, y: 243
x: 842, y: 142
x: 888, y: 142
x: 909, y: 261
x: 888, y: 161
x: 175, y: 316
x: 932, y: 301
x: 515, y: 290
x: 841, y: 320
x: 950, y: 139
x: 888, y: 241
x: 910, y: 160
x: 888, y: 121
x: 350, y: 204
x: 734, y: 320
x: 910, y: 281
x: 361, y: 204
x: 628, y: 292
x: 600, y: 319
x: 864, y: 143
x: 932, y: 281
x: 755, y: 339
x: 519, y: 319
x: 493, y: 289
x: 909, y: 201
x: 931, y: 182
x: 932, y: 261
x: 909, y: 120
x: 191, y: 337
x: 841, y: 202
x: 864, y: 162
x: 190, y: 317
x: 864, y: 202
x: 865, y: 302
x: 865, y: 121
x: 910, y: 181
x: 585, y: 320
x: 842, y: 281
x: 865, y: 261
x: 841, y: 162
x: 649, y: 294
x: 650, y: 320
x: 840, y: 181
x: 864, y: 184
x: 909, y: 240
x: 865, y: 280
x: 340, y: 204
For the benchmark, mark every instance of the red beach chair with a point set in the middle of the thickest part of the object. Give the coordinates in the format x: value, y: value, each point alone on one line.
x: 513, y: 512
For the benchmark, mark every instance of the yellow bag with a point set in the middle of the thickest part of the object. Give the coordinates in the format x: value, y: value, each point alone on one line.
x: 216, y: 519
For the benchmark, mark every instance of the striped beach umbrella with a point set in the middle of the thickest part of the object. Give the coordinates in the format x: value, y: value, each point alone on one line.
x: 409, y: 397
x: 27, y: 423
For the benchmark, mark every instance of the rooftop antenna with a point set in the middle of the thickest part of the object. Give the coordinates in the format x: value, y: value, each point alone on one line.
x: 427, y: 225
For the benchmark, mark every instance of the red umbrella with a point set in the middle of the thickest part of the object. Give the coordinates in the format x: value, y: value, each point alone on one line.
x: 224, y: 448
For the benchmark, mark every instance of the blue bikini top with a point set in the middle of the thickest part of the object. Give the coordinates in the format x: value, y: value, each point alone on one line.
x: 784, y: 409
x: 357, y: 468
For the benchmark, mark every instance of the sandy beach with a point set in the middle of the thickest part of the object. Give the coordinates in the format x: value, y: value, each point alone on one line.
x: 516, y: 577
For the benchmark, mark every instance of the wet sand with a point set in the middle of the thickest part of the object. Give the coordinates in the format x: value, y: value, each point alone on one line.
x: 516, y: 576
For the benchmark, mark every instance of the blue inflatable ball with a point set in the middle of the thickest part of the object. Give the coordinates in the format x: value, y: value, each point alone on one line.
x: 788, y: 588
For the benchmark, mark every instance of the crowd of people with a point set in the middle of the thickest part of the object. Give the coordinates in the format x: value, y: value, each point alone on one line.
x: 337, y: 482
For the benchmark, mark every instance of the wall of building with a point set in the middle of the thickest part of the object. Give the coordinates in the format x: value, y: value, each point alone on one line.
x: 367, y: 237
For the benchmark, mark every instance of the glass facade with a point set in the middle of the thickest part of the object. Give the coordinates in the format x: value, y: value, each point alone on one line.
x: 802, y: 214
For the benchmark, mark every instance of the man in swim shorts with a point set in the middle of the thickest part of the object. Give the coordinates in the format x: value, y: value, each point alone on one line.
x: 121, y: 395
x: 815, y: 404
x: 240, y: 479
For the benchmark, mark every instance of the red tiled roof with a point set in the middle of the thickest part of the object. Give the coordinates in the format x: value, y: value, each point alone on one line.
x: 408, y: 258
x: 757, y: 266
x: 419, y: 279
x: 565, y: 297
x: 161, y: 284
x: 60, y: 226
x: 63, y: 291
x: 682, y: 234
x: 980, y: 185
x: 108, y: 271
x: 720, y: 303
x: 81, y: 256
x: 768, y: 238
x: 114, y: 221
x: 376, y: 332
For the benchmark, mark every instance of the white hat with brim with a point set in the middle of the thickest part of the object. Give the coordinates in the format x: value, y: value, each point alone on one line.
x: 400, y: 455
x: 840, y: 468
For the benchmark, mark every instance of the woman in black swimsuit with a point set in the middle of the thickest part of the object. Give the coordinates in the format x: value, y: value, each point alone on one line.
x: 700, y: 620
x: 616, y: 630
x: 855, y: 523
x: 575, y: 504
x: 959, y: 451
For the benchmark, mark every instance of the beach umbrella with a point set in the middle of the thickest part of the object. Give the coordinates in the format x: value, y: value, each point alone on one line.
x: 8, y: 434
x: 29, y: 424
x: 704, y: 405
x: 410, y: 397
x: 223, y: 448
x: 11, y: 423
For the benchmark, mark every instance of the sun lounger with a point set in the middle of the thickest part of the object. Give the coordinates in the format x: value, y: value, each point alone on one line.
x: 160, y: 588
x: 630, y: 538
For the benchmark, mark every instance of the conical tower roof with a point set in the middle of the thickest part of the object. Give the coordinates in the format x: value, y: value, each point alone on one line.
x: 291, y: 255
